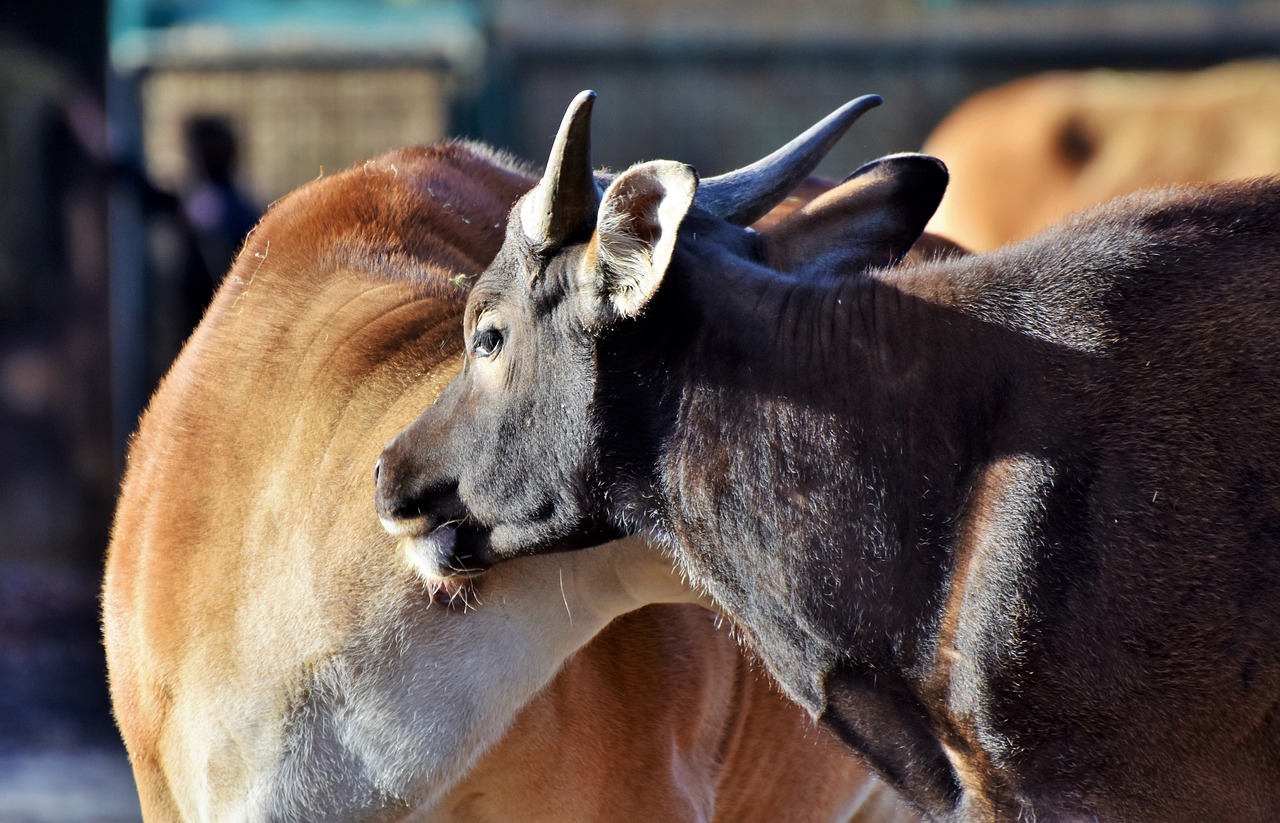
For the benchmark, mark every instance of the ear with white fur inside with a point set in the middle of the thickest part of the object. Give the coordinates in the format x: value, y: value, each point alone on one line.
x: 640, y: 215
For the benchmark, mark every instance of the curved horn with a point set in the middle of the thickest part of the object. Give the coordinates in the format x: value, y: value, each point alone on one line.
x: 745, y: 195
x: 565, y: 200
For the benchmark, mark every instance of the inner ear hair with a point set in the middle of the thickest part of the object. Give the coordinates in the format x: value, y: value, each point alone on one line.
x: 640, y: 215
x: 626, y: 240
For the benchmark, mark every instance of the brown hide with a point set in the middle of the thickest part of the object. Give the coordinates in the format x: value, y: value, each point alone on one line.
x: 1028, y: 153
x: 247, y: 562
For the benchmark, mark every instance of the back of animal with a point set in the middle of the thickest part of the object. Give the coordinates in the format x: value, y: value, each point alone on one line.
x: 1028, y: 153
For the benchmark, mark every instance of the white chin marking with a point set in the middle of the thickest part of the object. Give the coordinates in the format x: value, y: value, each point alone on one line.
x: 423, y: 553
x: 400, y: 528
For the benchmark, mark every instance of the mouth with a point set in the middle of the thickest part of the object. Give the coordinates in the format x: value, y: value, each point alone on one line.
x: 446, y: 561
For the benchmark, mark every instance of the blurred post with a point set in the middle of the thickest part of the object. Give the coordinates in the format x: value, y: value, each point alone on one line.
x: 128, y: 304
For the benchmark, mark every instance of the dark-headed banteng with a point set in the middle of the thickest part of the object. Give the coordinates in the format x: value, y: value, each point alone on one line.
x: 276, y: 656
x: 1010, y: 524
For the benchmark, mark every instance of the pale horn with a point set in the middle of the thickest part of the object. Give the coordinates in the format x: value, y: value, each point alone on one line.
x: 564, y: 202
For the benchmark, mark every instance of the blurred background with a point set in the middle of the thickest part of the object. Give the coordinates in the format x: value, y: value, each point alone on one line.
x: 140, y: 140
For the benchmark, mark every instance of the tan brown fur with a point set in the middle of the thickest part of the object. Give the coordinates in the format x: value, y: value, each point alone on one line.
x: 251, y: 596
x: 1028, y: 153
x: 747, y: 763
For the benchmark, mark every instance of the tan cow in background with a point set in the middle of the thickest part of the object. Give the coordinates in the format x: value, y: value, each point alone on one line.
x: 273, y: 653
x: 1025, y: 154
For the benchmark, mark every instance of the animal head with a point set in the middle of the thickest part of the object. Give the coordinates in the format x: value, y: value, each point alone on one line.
x: 548, y: 439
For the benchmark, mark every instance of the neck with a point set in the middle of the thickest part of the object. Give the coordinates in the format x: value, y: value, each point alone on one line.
x: 829, y: 427
x: 824, y: 441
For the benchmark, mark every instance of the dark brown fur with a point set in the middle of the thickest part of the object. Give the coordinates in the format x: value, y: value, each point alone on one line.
x: 1009, y: 523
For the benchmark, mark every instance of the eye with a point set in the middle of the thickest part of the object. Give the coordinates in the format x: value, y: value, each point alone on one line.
x: 486, y: 342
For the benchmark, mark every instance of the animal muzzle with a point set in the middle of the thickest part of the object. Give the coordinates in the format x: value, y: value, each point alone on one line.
x: 428, y: 514
x: 409, y: 503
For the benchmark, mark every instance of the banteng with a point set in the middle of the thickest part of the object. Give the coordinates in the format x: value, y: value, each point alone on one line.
x: 1009, y: 524
x: 274, y: 655
x: 1026, y: 154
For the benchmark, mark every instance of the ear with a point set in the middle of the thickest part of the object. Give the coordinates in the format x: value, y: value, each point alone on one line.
x: 634, y: 240
x: 871, y: 219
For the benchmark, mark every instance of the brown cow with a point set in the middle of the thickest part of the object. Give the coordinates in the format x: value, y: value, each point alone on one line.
x: 274, y: 655
x: 1028, y: 153
x: 1009, y: 524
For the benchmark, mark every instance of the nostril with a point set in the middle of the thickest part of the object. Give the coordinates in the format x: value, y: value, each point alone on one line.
x: 438, y: 502
x: 422, y: 505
